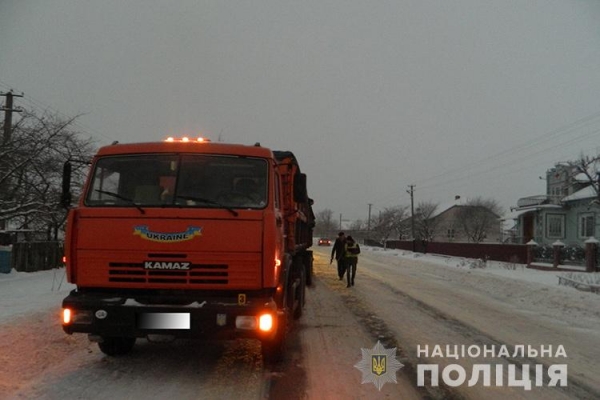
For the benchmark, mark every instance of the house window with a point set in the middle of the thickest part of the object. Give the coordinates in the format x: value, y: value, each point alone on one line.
x: 586, y: 225
x: 555, y: 226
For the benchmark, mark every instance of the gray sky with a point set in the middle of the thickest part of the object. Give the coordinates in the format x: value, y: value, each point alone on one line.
x: 463, y: 97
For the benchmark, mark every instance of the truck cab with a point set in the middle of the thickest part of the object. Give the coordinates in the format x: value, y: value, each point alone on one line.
x: 188, y: 239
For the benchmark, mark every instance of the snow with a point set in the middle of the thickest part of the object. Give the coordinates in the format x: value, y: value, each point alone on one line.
x: 508, y: 271
x: 30, y: 303
x: 22, y: 293
x: 512, y: 283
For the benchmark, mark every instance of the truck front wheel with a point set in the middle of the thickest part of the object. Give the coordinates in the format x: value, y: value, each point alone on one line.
x: 116, y: 346
x: 273, y: 350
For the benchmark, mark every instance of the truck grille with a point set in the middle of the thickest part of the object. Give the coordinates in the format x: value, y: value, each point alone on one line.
x: 197, y: 274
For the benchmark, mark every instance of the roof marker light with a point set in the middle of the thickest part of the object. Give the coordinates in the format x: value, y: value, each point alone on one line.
x: 186, y: 139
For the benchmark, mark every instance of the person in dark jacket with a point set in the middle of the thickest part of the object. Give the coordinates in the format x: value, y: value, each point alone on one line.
x: 351, y: 256
x: 338, y: 251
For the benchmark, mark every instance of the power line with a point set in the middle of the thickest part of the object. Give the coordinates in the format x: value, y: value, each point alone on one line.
x: 578, y: 124
x: 480, y: 172
x: 514, y: 152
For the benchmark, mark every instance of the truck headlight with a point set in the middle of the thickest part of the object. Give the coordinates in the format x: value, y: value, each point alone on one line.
x: 70, y: 316
x: 265, y: 322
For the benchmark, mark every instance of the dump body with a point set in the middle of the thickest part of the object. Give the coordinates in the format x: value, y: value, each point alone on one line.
x: 189, y: 239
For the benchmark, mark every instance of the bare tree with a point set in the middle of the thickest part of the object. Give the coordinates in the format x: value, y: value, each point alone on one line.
x: 400, y: 224
x: 390, y: 222
x: 383, y: 225
x: 325, y: 225
x: 589, y: 167
x: 31, y: 171
x: 425, y: 221
x: 478, y: 218
x: 357, y: 225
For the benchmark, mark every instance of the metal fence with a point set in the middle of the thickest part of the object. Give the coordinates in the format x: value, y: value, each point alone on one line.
x: 515, y: 253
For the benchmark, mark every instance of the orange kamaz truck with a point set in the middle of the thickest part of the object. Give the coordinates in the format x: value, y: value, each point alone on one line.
x: 188, y: 239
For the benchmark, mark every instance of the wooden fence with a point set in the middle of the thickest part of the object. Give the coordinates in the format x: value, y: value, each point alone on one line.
x: 36, y: 256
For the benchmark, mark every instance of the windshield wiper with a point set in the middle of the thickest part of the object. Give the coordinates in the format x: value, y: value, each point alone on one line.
x: 203, y: 200
x: 118, y: 196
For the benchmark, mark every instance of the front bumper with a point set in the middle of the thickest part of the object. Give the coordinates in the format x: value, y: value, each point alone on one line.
x: 215, y: 317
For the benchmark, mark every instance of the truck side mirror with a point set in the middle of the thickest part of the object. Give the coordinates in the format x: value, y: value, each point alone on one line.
x: 65, y: 199
x: 300, y: 192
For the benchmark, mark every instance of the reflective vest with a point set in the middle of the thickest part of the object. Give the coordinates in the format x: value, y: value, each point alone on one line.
x: 349, y: 250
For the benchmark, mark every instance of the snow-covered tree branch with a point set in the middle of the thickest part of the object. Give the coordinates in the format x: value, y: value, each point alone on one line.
x: 31, y: 171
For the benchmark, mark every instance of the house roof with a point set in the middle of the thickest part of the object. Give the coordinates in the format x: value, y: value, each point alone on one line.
x: 588, y: 192
x: 442, y: 208
x: 517, y: 212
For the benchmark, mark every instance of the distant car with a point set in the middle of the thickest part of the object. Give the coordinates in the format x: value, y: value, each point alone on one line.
x: 324, y: 242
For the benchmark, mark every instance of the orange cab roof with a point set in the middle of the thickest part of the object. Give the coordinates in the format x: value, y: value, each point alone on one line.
x: 186, y: 147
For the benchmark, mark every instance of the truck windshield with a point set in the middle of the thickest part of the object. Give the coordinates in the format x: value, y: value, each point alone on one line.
x: 205, y: 181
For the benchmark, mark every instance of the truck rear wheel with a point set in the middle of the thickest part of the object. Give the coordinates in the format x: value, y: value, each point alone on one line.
x: 308, y: 265
x: 300, y: 294
x: 116, y: 346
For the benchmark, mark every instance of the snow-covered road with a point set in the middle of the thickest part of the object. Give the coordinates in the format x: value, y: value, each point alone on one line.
x: 424, y: 304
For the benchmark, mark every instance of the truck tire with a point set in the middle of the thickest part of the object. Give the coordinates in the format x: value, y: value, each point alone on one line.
x: 116, y: 346
x: 274, y: 350
x: 308, y: 265
x: 300, y: 295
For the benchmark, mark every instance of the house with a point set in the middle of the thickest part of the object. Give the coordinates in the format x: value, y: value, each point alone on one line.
x: 445, y: 223
x: 567, y: 213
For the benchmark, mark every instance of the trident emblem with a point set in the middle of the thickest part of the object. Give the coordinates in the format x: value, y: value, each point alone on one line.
x: 378, y: 367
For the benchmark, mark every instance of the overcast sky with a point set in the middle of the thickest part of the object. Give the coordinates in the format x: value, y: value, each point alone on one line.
x: 463, y: 97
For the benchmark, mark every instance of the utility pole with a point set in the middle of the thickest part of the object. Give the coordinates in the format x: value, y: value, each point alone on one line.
x: 342, y: 220
x: 6, y: 137
x: 8, y: 110
x: 369, y: 220
x: 412, y: 212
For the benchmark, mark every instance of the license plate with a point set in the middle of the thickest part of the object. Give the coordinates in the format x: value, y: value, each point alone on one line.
x: 163, y: 321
